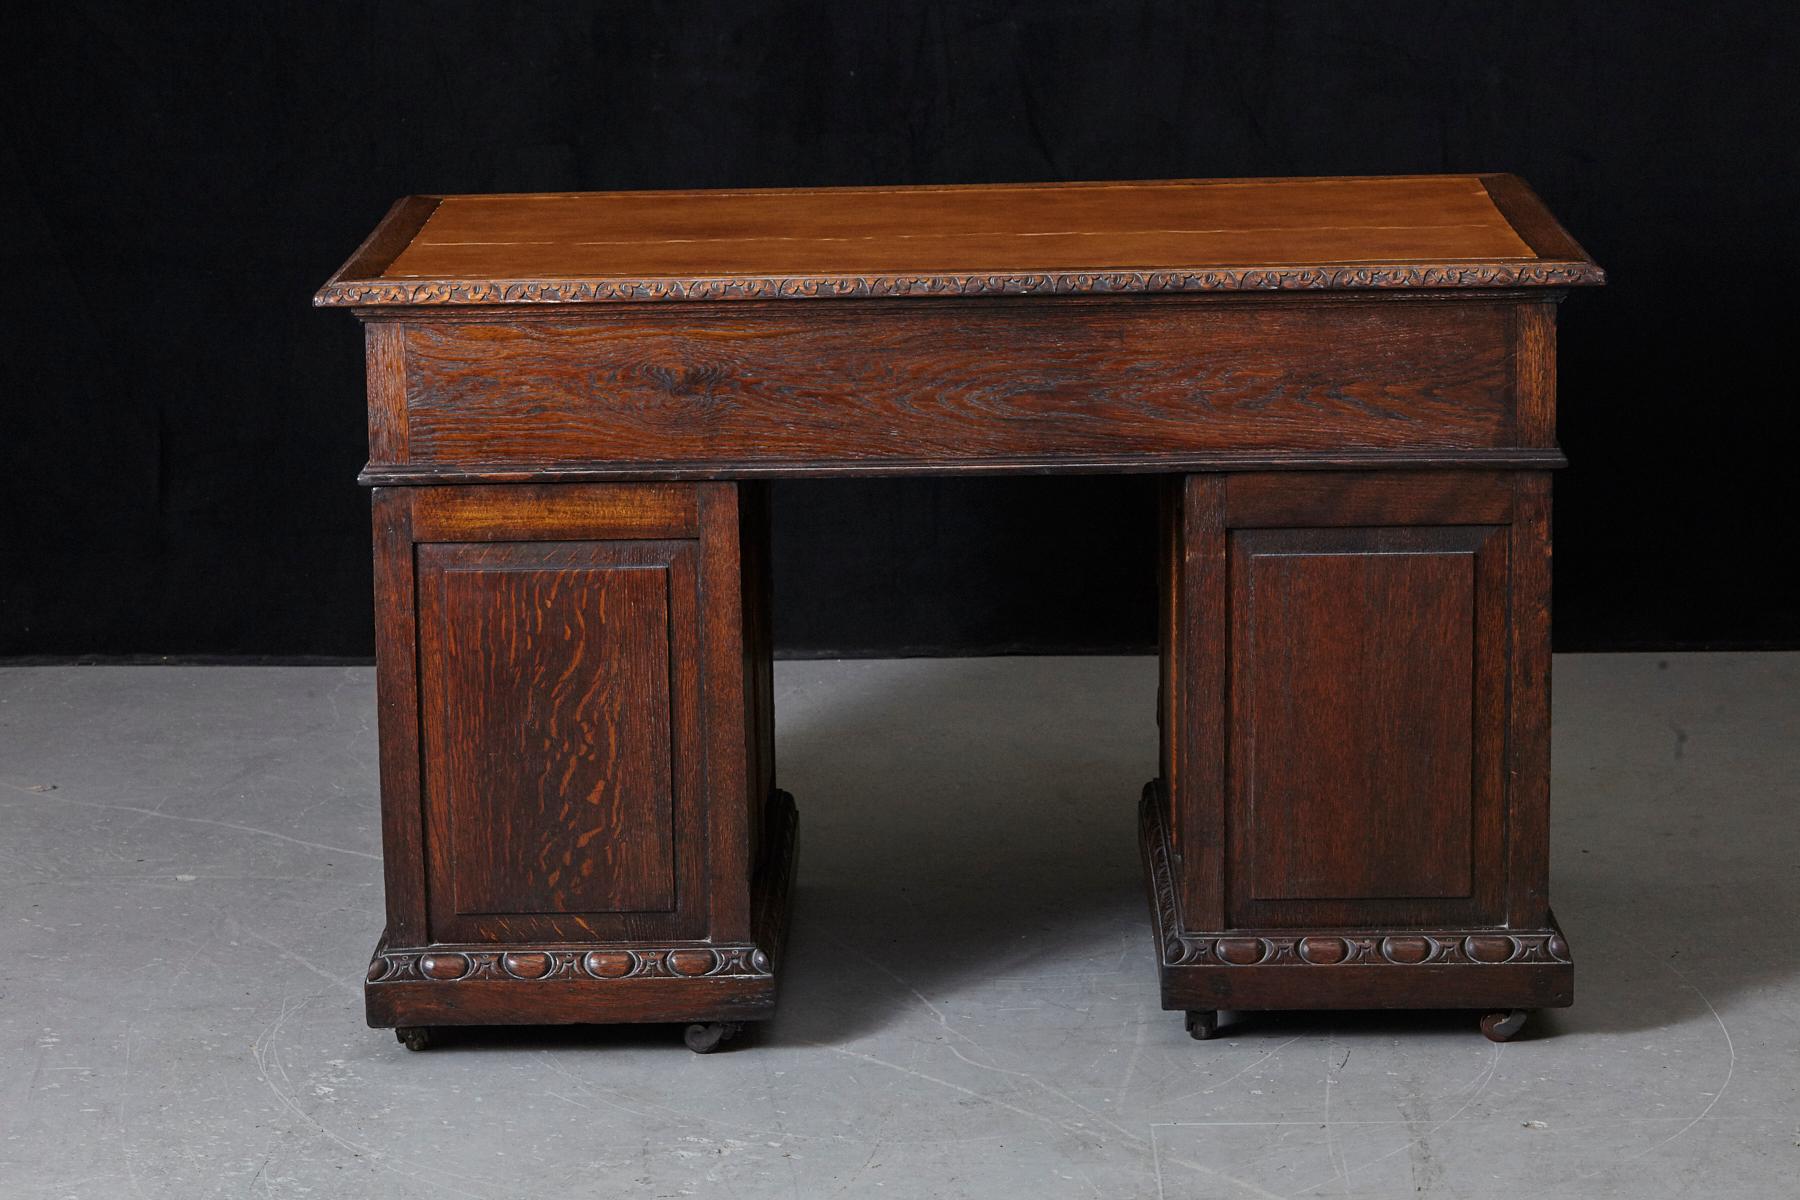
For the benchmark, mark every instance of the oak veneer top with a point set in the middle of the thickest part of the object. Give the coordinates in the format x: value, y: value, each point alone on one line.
x: 1423, y: 231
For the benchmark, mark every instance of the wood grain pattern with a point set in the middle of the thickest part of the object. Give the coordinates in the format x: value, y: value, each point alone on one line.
x: 958, y: 230
x: 397, y: 716
x: 1158, y: 236
x: 1028, y: 382
x: 385, y: 365
x: 1193, y: 664
x: 1353, y: 656
x: 577, y: 749
x: 524, y: 513
x: 1534, y: 374
x: 1528, y: 799
x: 731, y: 717
x: 549, y: 720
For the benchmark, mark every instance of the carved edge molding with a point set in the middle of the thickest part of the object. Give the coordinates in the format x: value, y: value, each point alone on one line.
x: 448, y: 964
x: 1300, y: 948
x: 1048, y: 283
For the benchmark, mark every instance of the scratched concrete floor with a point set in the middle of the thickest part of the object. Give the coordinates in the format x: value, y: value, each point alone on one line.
x: 191, y: 887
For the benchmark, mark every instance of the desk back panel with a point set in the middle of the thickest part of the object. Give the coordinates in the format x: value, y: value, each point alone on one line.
x: 977, y: 383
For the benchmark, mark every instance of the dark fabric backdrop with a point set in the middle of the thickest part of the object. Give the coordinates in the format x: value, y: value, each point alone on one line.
x: 181, y: 431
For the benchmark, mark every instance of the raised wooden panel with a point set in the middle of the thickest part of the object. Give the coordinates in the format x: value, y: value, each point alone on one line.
x: 558, y: 729
x: 1357, y: 667
x: 991, y: 382
x: 1367, y: 718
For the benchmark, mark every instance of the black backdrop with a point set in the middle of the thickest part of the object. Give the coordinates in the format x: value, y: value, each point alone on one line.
x: 181, y: 431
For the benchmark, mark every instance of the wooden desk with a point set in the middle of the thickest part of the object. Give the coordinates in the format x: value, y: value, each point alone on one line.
x: 1349, y: 385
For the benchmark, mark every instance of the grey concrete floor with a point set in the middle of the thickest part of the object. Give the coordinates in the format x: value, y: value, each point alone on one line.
x: 191, y: 888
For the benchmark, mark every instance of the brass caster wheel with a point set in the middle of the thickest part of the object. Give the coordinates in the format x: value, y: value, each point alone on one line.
x: 706, y: 1036
x: 1202, y: 1024
x: 1500, y: 1026
x: 413, y: 1037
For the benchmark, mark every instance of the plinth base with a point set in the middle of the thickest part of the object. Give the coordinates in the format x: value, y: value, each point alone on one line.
x: 1258, y: 969
x: 596, y: 983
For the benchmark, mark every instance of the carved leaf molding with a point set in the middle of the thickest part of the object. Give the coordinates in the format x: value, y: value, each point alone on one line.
x: 1053, y: 283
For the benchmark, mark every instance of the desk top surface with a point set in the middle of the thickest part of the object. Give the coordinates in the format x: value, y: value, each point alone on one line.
x: 1424, y: 231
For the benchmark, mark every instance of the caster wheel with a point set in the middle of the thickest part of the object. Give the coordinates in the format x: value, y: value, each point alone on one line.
x: 706, y: 1036
x: 413, y: 1037
x: 1500, y: 1026
x: 1202, y: 1024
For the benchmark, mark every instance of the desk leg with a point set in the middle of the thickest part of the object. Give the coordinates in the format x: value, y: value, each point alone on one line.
x: 580, y: 822
x: 1353, y: 805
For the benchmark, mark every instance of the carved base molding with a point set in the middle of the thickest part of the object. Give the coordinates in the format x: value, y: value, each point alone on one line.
x: 551, y: 964
x: 600, y: 983
x: 1254, y: 969
x: 1351, y: 949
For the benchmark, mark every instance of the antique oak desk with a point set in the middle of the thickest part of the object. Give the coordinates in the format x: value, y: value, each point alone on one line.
x: 1348, y: 386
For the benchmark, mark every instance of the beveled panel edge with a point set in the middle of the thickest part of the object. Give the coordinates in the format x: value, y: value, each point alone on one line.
x: 395, y: 231
x: 1501, y: 458
x: 1532, y: 220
